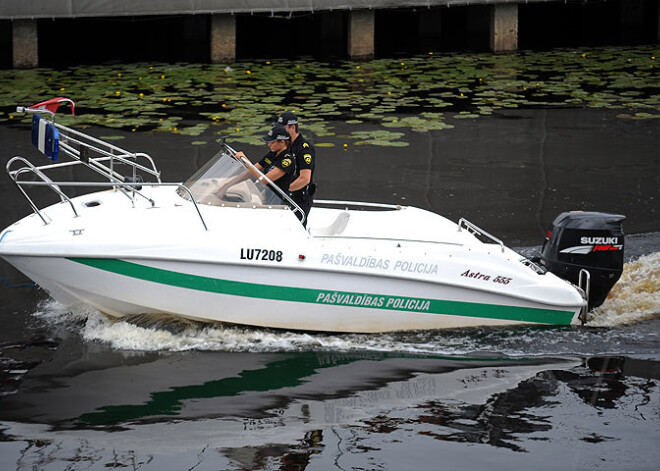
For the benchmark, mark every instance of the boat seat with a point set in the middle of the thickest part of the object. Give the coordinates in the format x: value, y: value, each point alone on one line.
x: 336, y: 228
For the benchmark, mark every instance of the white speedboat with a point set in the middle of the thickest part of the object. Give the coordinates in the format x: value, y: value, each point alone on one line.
x: 244, y: 257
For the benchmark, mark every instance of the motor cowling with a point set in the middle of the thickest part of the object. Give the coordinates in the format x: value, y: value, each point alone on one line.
x: 592, y: 241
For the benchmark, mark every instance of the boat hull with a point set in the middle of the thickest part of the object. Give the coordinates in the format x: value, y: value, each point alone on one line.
x: 285, y: 298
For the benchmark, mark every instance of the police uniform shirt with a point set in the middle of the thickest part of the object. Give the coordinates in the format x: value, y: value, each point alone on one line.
x: 305, y: 156
x: 284, y: 161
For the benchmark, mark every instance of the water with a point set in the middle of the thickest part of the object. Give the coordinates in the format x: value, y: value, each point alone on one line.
x: 81, y: 391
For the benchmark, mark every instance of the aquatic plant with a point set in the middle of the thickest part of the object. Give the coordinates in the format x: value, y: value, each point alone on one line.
x: 421, y: 93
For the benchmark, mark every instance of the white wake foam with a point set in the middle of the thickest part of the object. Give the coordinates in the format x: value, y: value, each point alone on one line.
x: 635, y: 297
x: 166, y: 333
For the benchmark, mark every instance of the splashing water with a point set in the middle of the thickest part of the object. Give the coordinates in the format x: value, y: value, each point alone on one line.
x: 635, y: 297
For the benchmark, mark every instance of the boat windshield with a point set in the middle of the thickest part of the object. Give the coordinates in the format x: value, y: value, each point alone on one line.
x: 224, y: 181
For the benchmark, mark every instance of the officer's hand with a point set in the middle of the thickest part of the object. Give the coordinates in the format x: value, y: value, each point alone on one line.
x: 220, y: 192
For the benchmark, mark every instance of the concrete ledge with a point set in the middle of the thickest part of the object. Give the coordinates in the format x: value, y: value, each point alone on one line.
x: 31, y: 9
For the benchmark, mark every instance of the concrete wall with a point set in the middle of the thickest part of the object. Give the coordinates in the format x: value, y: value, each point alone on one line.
x: 485, y: 22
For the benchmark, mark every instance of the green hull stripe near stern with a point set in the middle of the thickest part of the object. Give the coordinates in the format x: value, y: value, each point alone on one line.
x: 325, y: 297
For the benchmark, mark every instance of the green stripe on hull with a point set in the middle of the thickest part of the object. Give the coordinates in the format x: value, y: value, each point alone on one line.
x: 329, y: 298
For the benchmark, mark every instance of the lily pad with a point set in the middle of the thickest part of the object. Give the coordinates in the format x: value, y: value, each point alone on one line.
x: 409, y: 93
x: 382, y: 142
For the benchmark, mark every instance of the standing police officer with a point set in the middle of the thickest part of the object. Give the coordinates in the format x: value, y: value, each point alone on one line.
x: 303, y: 187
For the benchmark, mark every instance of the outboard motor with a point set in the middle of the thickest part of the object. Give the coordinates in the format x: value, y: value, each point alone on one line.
x: 592, y: 241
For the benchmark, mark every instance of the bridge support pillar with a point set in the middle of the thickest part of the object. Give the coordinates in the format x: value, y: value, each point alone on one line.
x: 361, y: 30
x: 223, y: 38
x: 25, y: 44
x: 504, y: 28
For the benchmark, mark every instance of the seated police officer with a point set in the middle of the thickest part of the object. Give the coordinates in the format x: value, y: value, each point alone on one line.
x: 303, y: 187
x: 278, y: 164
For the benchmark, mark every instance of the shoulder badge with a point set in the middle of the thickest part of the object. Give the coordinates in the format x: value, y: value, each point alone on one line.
x: 308, y: 158
x: 286, y: 162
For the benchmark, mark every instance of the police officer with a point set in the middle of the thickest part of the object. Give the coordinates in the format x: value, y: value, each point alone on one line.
x: 278, y: 164
x: 303, y: 187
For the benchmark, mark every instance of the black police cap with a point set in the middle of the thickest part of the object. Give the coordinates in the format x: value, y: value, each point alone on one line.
x: 278, y: 133
x: 287, y: 118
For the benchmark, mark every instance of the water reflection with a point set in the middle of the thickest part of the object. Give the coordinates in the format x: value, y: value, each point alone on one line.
x: 296, y: 410
x: 502, y: 421
x: 509, y: 419
x: 104, y: 388
x: 289, y: 457
x: 606, y: 386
